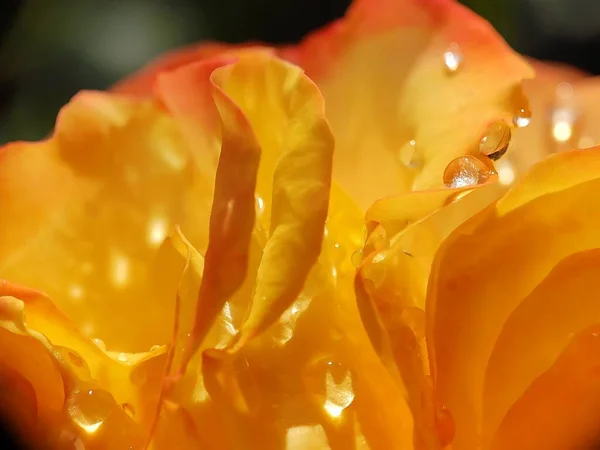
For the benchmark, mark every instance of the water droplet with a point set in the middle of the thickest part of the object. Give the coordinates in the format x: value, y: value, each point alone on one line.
x: 453, y: 58
x: 357, y: 258
x: 444, y: 424
x: 522, y: 118
x: 495, y: 140
x: 89, y: 409
x: 129, y: 409
x: 407, y: 154
x: 122, y: 357
x: 100, y: 343
x: 465, y: 171
x: 331, y: 382
x: 155, y: 348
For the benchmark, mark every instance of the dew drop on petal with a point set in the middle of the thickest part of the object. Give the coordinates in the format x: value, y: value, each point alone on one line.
x: 453, y: 58
x: 465, y: 171
x: 495, y: 140
x: 331, y: 382
x: 522, y: 118
x: 357, y: 258
x: 89, y: 408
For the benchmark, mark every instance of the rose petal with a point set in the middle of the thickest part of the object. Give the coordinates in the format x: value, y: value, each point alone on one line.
x: 89, y: 208
x: 298, y: 162
x: 490, y: 263
x: 232, y: 216
x: 381, y: 92
x: 142, y: 84
x: 538, y: 331
x: 92, y: 393
x: 560, y: 409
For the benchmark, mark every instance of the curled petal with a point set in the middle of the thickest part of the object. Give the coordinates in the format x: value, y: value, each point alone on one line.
x: 299, y: 164
x: 549, y: 215
x: 536, y: 333
x: 560, y: 408
x: 232, y: 217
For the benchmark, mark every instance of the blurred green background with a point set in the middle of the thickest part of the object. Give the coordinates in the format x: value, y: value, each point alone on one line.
x: 50, y: 49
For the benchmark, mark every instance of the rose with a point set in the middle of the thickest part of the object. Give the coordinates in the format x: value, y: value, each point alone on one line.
x: 89, y: 209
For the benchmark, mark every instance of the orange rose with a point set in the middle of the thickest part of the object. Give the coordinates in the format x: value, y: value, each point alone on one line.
x: 200, y: 275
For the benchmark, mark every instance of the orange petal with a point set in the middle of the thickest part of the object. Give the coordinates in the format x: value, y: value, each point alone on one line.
x: 538, y: 331
x: 382, y: 93
x: 89, y: 209
x: 549, y: 215
x: 142, y: 84
x: 232, y: 216
x: 301, y: 175
x: 76, y: 400
x: 560, y: 409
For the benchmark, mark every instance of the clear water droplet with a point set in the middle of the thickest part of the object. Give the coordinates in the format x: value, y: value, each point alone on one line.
x: 522, y: 118
x: 356, y: 258
x: 495, y: 140
x: 89, y: 409
x: 453, y: 58
x: 331, y: 382
x: 466, y: 171
x: 122, y: 357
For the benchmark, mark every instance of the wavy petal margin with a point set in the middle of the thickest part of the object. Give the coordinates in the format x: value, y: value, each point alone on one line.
x: 490, y: 264
x: 382, y: 93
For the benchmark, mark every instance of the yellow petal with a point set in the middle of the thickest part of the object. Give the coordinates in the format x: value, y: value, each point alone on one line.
x: 89, y: 209
x: 489, y: 264
x: 297, y: 158
x: 232, y: 216
x: 382, y: 93
x: 76, y: 400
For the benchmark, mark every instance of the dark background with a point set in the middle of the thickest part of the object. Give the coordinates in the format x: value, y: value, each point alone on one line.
x: 50, y: 49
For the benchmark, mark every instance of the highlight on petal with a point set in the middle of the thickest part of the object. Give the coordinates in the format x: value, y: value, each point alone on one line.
x: 550, y: 214
x: 89, y: 209
x: 398, y: 113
